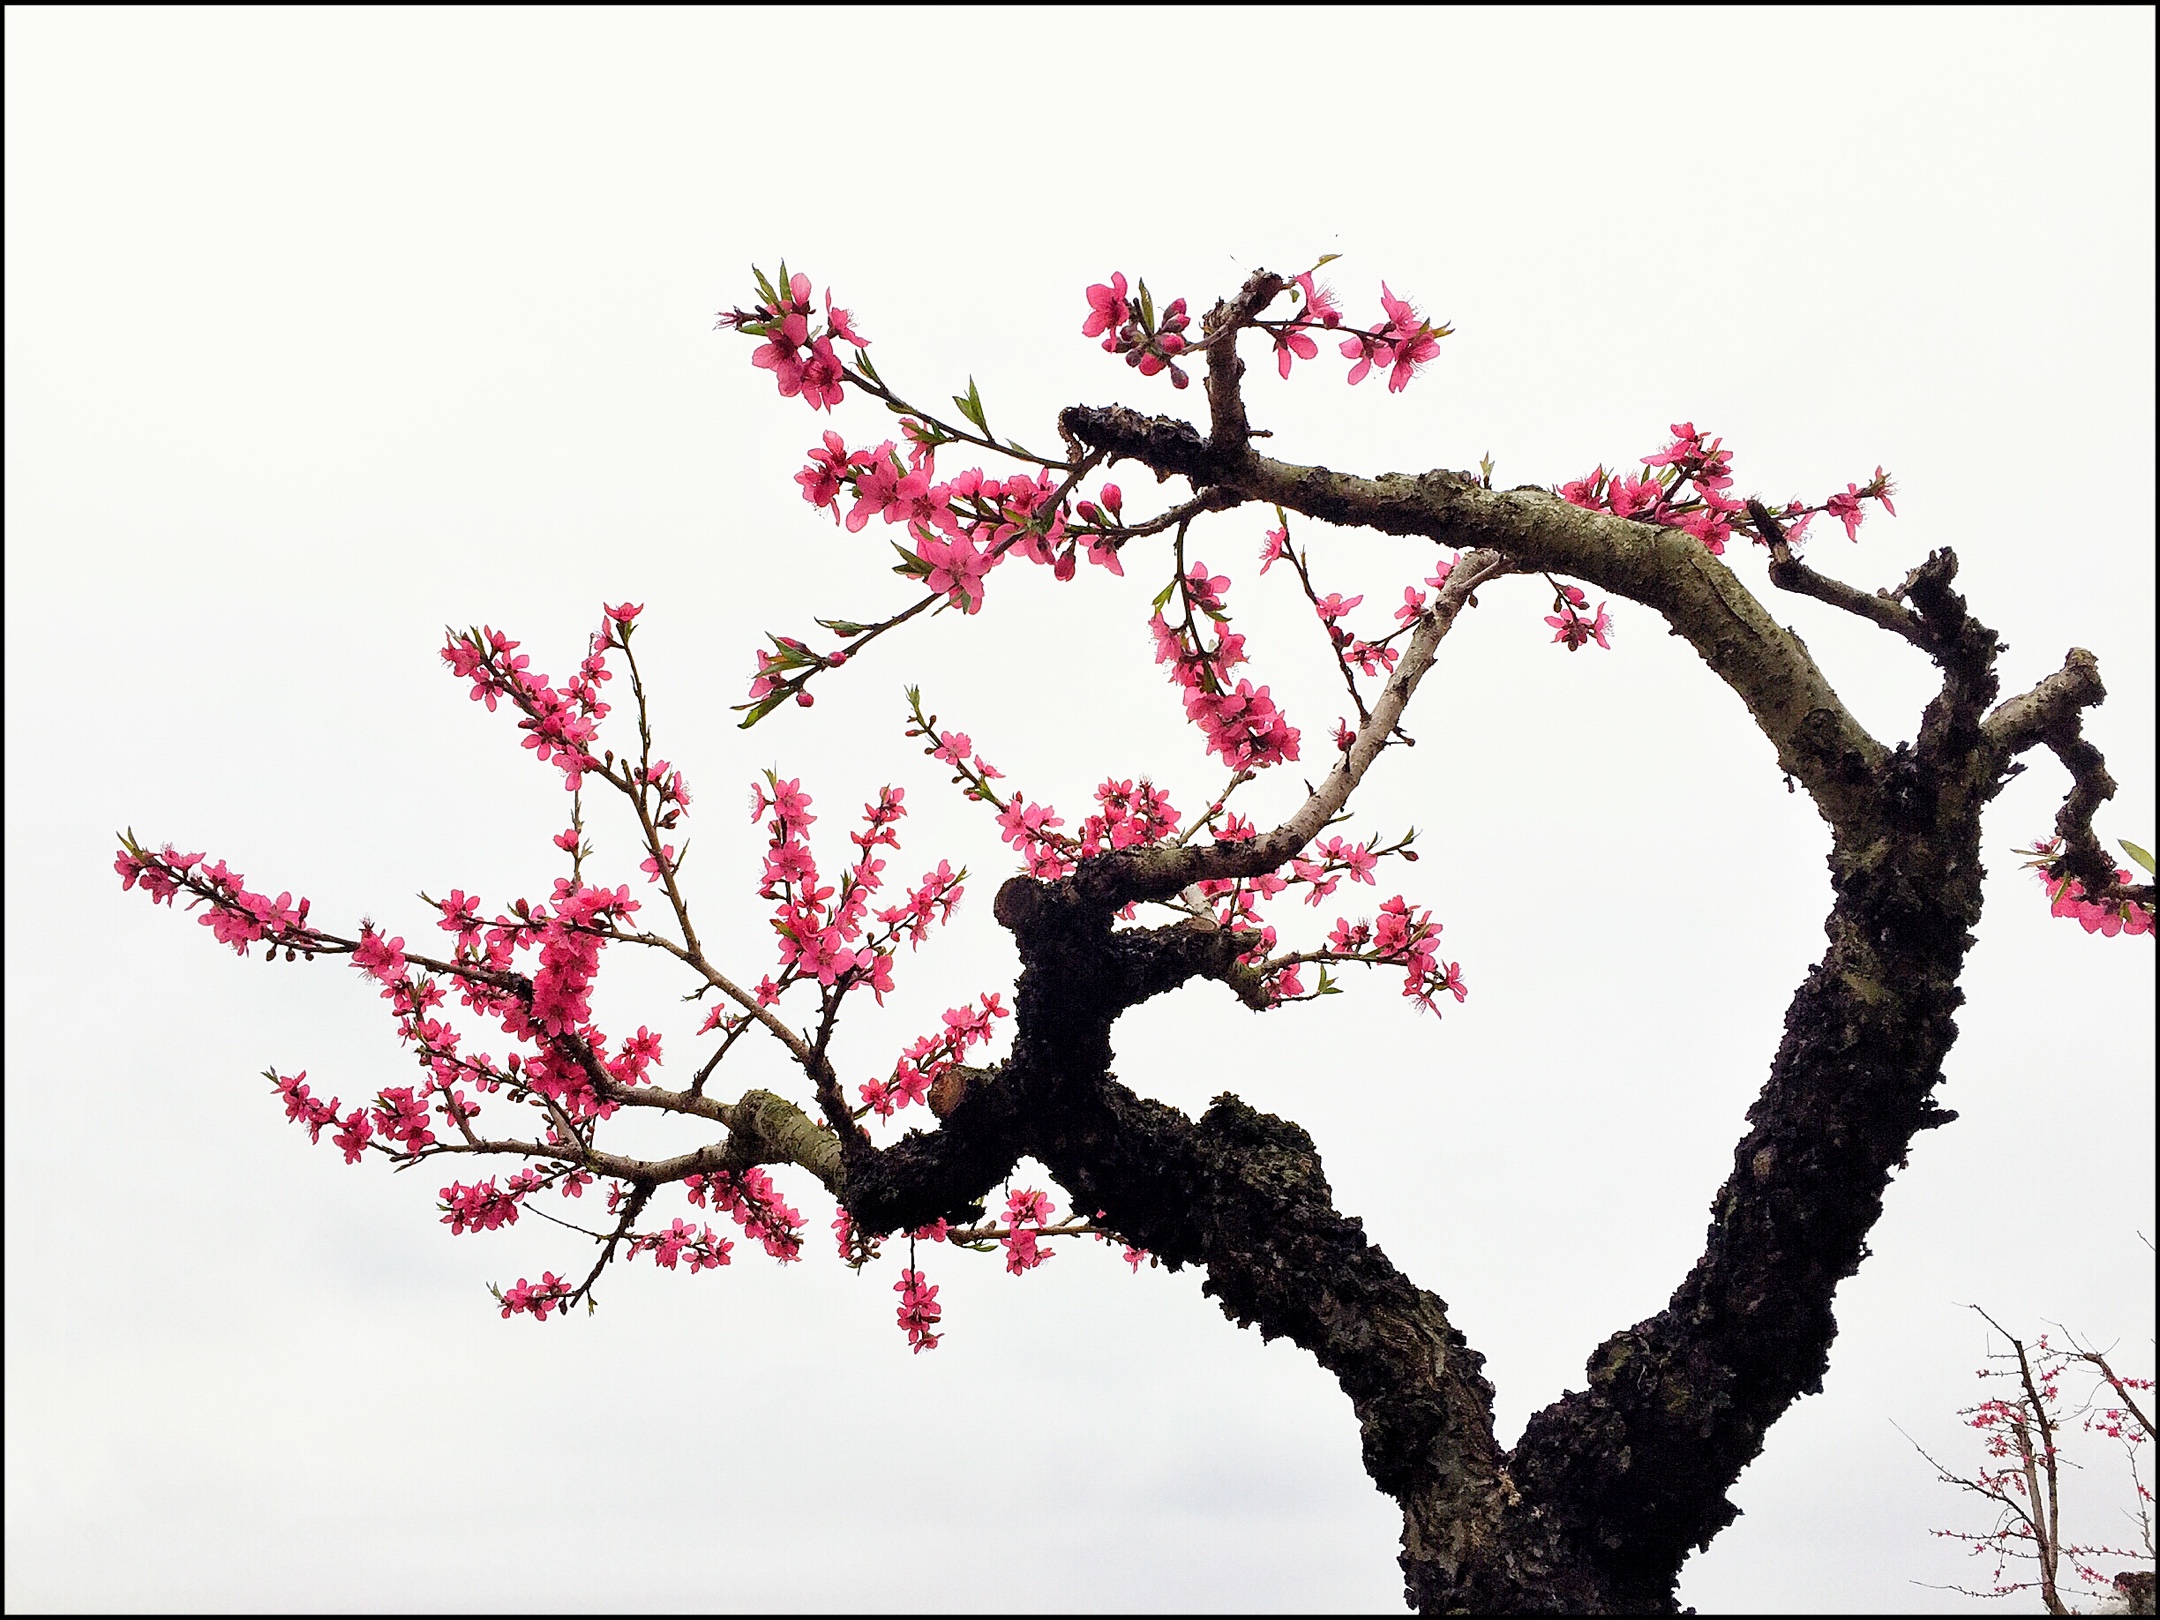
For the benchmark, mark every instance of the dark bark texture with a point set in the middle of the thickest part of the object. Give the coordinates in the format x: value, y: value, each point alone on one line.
x: 1612, y: 1486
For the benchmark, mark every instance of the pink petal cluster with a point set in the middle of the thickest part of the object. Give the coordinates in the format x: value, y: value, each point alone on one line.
x: 1129, y: 817
x: 1128, y: 325
x: 236, y: 915
x: 2067, y: 899
x: 919, y: 1311
x: 1241, y: 723
x: 751, y: 1200
x: 1571, y: 629
x: 1026, y: 1212
x: 680, y: 1241
x: 1399, y: 345
x: 484, y: 1207
x: 559, y: 724
x: 1687, y: 489
x: 551, y: 1293
x: 932, y: 1055
x: 802, y: 361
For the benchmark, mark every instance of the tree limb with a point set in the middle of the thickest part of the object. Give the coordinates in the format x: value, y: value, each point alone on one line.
x: 1818, y: 741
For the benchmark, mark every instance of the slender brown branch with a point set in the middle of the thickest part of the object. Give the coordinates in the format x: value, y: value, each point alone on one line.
x: 1789, y: 573
x: 1156, y: 874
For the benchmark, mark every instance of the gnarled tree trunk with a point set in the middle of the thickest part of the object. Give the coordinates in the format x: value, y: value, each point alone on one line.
x: 1611, y: 1487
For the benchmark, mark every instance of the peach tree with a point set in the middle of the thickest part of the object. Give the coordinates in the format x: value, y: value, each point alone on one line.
x: 1610, y: 1487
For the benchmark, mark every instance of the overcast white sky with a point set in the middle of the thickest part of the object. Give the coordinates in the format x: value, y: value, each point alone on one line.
x: 324, y: 330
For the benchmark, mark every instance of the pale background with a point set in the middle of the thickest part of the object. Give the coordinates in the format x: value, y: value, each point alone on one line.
x: 324, y: 330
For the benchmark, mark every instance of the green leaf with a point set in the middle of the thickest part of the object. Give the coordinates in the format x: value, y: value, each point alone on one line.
x: 1326, y: 259
x: 1147, y: 307
x: 862, y: 361
x: 971, y: 406
x: 760, y: 710
x: 1163, y: 595
x: 771, y: 298
x: 910, y: 564
x: 2142, y: 857
x: 847, y: 628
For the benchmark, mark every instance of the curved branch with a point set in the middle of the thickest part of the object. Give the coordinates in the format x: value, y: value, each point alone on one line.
x: 1818, y: 741
x: 2053, y: 714
x: 1789, y: 573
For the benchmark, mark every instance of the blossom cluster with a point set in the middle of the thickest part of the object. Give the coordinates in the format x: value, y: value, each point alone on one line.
x: 485, y: 1207
x: 960, y: 528
x: 919, y: 1311
x: 559, y: 723
x: 1027, y: 1212
x: 1686, y: 488
x: 2066, y: 895
x: 1241, y: 722
x: 235, y: 914
x: 681, y: 1241
x: 1399, y: 344
x: 551, y: 1293
x: 1127, y: 324
x: 931, y: 1056
x: 751, y: 1200
x: 824, y: 936
x: 802, y: 361
x: 1574, y: 627
x: 1127, y: 817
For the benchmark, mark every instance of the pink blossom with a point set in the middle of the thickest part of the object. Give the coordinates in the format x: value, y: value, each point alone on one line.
x: 1320, y: 302
x: 1586, y: 491
x: 1108, y: 309
x: 1631, y: 497
x: 1846, y: 509
x: 831, y: 466
x: 384, y: 959
x: 1412, y: 340
x: 1332, y: 606
x: 777, y: 355
x: 840, y: 323
x: 1291, y: 344
x: 1575, y: 631
x: 820, y: 376
x: 1021, y: 823
x: 1206, y: 589
x: 956, y: 569
x: 481, y: 1208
